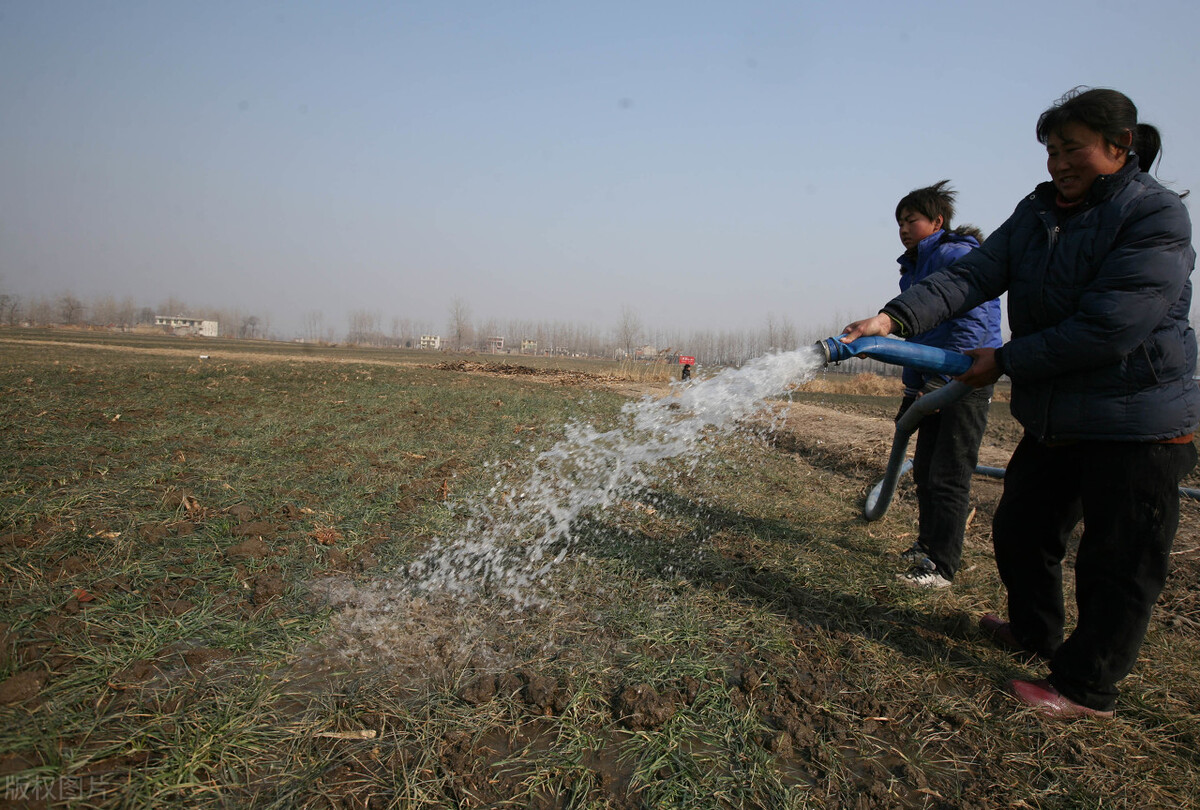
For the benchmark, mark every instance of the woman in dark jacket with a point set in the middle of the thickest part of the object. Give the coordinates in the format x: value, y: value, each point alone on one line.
x: 1096, y: 264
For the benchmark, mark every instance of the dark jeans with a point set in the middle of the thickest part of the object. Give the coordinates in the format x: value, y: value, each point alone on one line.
x: 943, y: 463
x: 1127, y: 494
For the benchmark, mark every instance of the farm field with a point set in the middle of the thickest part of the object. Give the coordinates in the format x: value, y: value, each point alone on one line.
x: 207, y: 600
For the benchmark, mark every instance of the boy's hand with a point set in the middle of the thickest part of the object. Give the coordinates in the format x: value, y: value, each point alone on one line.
x: 879, y: 325
x: 983, y: 371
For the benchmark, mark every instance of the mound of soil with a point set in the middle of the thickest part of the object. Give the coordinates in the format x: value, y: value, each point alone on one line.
x: 514, y: 370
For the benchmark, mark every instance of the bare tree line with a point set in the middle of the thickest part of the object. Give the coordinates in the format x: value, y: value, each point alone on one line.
x: 630, y: 335
x: 107, y: 311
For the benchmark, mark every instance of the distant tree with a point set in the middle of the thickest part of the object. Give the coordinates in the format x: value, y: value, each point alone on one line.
x: 420, y: 328
x: 229, y: 321
x: 102, y: 311
x: 249, y: 328
x: 41, y: 312
x: 10, y: 308
x: 515, y: 331
x: 312, y: 325
x: 781, y: 333
x: 459, y: 324
x: 126, y: 312
x: 628, y: 329
x: 145, y: 315
x: 364, y: 327
x: 70, y: 309
x: 487, y: 330
x: 172, y: 306
x: 405, y: 333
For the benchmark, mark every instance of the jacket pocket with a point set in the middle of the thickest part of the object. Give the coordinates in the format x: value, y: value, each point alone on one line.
x: 1143, y: 368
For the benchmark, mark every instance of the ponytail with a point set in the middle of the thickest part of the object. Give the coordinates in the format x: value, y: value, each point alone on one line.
x: 1147, y: 144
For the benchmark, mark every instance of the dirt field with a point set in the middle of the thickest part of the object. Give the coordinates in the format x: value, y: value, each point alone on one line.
x: 207, y: 601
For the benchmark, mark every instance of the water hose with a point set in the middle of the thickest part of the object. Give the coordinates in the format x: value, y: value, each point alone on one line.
x: 930, y: 360
x: 998, y: 472
x: 880, y: 497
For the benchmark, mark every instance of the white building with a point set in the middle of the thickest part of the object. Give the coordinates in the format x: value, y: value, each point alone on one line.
x: 431, y: 341
x: 187, y: 326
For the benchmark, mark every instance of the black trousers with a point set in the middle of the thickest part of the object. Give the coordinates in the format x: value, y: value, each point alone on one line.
x: 943, y: 463
x: 1127, y: 494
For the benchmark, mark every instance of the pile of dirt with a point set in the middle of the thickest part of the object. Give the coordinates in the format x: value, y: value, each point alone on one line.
x: 514, y: 370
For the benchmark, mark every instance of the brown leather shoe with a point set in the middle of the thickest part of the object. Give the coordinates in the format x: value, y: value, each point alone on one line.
x: 1001, y: 632
x: 1047, y: 700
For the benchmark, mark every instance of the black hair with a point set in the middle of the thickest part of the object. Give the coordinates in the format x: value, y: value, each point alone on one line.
x: 930, y: 202
x: 1108, y: 112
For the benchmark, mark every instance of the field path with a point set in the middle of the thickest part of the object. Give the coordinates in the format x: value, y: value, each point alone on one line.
x: 853, y: 432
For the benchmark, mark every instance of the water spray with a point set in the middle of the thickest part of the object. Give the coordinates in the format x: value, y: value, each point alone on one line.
x: 518, y: 532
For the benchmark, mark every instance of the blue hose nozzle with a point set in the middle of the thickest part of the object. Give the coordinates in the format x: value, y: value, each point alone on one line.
x: 929, y: 359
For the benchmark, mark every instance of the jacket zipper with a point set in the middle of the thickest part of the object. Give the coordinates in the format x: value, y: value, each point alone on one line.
x: 1053, y: 242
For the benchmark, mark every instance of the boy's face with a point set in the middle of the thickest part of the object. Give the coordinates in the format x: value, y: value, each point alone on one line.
x: 914, y: 227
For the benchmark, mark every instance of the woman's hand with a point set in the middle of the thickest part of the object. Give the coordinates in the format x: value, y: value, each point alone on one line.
x: 879, y: 325
x: 983, y: 371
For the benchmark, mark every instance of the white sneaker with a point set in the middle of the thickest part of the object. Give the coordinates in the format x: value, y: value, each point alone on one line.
x: 924, y: 575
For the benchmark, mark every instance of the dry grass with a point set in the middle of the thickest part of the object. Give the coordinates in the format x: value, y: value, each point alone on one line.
x: 204, y: 605
x: 867, y: 384
x: 859, y: 384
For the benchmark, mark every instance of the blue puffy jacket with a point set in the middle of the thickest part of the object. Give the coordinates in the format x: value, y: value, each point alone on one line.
x: 1098, y: 304
x: 977, y: 328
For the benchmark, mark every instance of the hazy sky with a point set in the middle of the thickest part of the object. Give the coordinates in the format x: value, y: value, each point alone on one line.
x: 705, y: 163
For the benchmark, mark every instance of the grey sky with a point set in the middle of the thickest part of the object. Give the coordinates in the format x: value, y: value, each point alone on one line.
x: 705, y: 163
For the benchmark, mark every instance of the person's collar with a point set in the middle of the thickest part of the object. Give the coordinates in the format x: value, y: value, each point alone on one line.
x: 1107, y: 185
x: 1103, y: 187
x: 909, y: 257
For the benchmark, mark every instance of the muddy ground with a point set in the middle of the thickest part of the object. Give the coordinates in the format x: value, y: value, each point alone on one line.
x: 401, y: 650
x: 790, y: 695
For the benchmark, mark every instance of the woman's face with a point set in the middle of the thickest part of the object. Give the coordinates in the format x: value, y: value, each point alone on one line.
x: 1076, y: 156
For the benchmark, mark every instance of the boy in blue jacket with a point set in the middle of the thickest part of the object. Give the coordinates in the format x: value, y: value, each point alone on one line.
x: 947, y: 447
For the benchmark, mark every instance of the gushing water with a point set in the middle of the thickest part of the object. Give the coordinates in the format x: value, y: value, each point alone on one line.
x: 516, y: 534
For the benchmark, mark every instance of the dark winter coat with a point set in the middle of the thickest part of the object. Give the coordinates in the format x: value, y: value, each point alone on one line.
x: 980, y: 327
x: 1098, y: 302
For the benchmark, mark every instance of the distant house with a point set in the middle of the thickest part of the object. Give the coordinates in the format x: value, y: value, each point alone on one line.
x: 495, y: 344
x: 528, y: 346
x: 186, y: 326
x: 431, y: 341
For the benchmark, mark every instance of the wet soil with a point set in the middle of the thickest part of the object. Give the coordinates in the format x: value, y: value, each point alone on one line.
x: 792, y: 697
